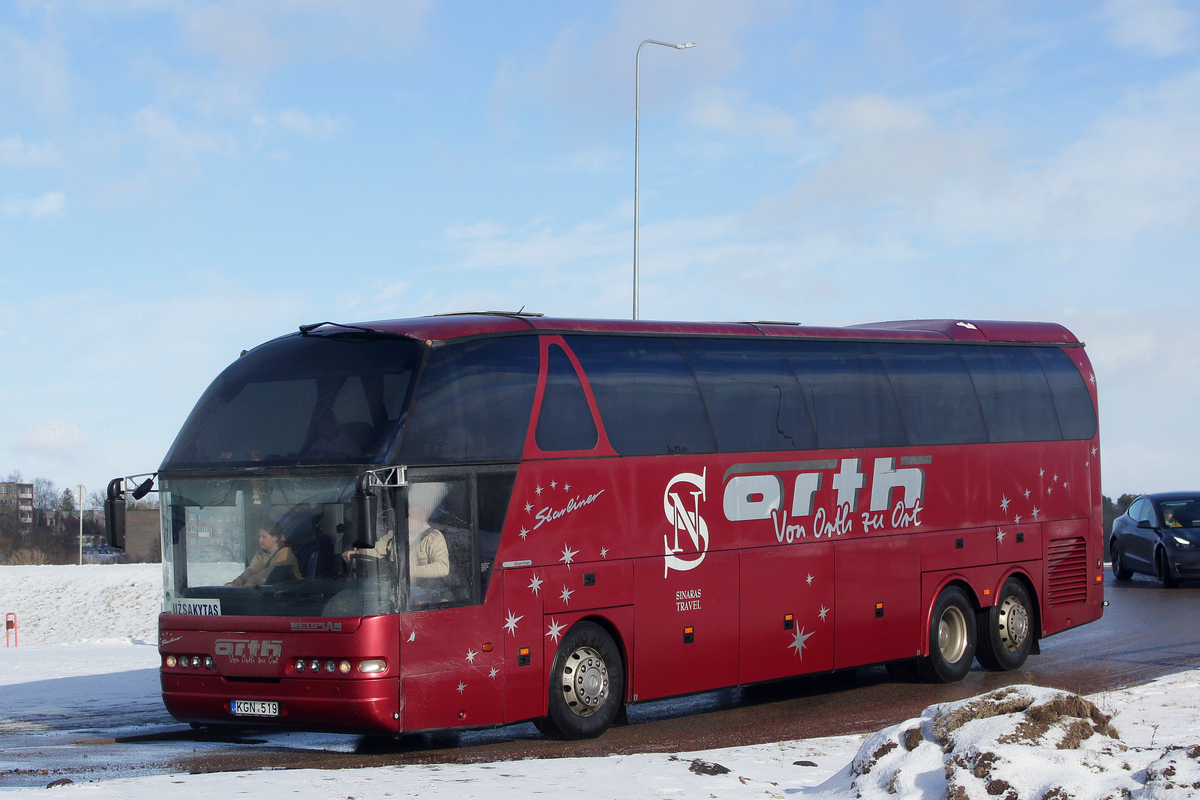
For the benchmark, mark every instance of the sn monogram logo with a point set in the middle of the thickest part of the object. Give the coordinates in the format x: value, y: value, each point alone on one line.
x: 685, y: 516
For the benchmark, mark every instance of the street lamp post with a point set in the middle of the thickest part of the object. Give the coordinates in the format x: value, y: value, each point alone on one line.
x: 637, y: 124
x: 79, y: 492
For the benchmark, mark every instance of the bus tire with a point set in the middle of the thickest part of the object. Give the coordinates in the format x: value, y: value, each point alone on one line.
x: 587, y: 684
x: 951, y: 638
x: 1006, y: 629
x: 1120, y: 571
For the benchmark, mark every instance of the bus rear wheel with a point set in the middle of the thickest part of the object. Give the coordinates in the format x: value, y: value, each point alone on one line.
x: 587, y: 684
x: 1006, y: 629
x: 951, y: 638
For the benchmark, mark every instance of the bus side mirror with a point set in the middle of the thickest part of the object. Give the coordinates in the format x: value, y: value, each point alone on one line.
x: 363, y: 508
x: 114, y: 514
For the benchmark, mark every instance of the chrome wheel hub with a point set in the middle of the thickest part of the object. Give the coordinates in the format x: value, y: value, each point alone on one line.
x: 1013, y: 624
x: 952, y: 635
x: 585, y: 681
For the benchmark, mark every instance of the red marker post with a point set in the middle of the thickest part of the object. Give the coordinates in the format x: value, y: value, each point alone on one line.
x: 10, y: 629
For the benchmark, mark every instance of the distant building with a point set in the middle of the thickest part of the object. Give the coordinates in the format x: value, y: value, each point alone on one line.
x: 20, y: 497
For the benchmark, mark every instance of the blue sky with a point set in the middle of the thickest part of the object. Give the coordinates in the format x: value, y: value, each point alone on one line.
x: 183, y: 180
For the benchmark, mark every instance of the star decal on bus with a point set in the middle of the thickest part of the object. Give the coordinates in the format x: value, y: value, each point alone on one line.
x: 568, y: 555
x: 809, y: 579
x: 1064, y: 484
x: 999, y: 536
x: 535, y: 583
x: 493, y: 672
x: 471, y: 656
x: 567, y: 486
x: 553, y: 484
x: 524, y: 532
x: 556, y: 630
x: 412, y: 637
x: 462, y: 687
x: 1017, y: 519
x: 528, y: 507
x: 1050, y: 489
x: 566, y: 595
x: 799, y: 642
x: 604, y: 552
x: 1036, y: 511
x: 511, y: 624
x: 822, y: 612
x: 1004, y: 501
x: 1027, y: 493
x: 538, y: 491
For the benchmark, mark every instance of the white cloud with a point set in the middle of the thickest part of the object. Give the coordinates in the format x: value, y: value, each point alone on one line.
x: 50, y: 204
x: 1157, y: 28
x: 15, y: 152
x: 730, y: 111
x: 35, y: 71
x: 1134, y: 171
x: 314, y: 126
x: 257, y: 35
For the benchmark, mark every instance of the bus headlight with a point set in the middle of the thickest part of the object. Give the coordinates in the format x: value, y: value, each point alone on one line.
x: 372, y: 666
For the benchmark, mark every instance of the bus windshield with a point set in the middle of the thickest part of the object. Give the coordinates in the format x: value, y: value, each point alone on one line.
x: 274, y: 546
x: 317, y: 399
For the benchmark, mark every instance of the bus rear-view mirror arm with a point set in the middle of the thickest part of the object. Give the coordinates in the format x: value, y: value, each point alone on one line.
x: 364, y: 505
x: 114, y: 507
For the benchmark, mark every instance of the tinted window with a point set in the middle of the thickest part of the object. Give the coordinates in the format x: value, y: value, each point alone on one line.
x: 934, y: 392
x: 1013, y: 394
x: 847, y: 394
x: 751, y: 394
x: 1076, y: 414
x: 647, y: 396
x: 302, y: 400
x: 473, y: 402
x: 565, y: 421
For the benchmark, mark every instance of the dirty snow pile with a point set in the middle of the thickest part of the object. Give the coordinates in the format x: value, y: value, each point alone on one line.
x: 88, y: 603
x: 1014, y: 743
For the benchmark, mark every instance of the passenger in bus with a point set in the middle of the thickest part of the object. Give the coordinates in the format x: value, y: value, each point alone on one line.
x: 274, y: 562
x: 331, y: 439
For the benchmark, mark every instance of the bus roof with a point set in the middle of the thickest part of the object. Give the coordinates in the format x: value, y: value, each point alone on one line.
x: 444, y: 327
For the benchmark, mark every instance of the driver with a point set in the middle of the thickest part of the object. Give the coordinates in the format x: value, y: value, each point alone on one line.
x: 274, y: 555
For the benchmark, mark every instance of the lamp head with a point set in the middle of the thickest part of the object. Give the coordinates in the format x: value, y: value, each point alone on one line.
x: 685, y: 45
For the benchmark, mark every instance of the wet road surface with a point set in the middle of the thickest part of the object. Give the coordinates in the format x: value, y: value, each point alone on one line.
x: 1146, y: 632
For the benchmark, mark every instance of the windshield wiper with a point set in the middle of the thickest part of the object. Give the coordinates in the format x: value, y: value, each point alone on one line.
x: 305, y: 330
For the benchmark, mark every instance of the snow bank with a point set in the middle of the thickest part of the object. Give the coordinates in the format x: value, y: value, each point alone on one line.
x: 1016, y: 742
x: 88, y: 603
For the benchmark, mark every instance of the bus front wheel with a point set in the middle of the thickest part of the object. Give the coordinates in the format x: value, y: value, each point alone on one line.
x: 951, y: 638
x: 1006, y: 629
x: 587, y: 684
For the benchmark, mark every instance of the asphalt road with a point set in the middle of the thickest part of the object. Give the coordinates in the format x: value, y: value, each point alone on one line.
x: 1146, y: 632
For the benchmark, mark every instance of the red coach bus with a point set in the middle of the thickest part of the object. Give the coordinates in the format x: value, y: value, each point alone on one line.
x: 477, y: 519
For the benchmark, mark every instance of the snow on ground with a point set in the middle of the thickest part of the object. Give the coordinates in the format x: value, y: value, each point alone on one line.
x: 98, y: 623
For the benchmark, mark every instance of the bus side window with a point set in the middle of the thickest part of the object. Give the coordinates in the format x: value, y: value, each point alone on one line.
x: 647, y: 395
x: 849, y: 396
x: 1013, y: 394
x: 750, y: 393
x: 934, y: 393
x: 565, y: 421
x: 1076, y: 414
x: 473, y: 402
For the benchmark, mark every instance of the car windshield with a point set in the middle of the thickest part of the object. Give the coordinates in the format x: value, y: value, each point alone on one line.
x: 270, y: 547
x: 1180, y: 513
x: 316, y: 399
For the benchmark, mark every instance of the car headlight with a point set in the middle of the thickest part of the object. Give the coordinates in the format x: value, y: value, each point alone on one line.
x: 1186, y: 544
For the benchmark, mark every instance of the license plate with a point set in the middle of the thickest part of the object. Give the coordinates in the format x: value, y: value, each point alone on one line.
x: 254, y: 708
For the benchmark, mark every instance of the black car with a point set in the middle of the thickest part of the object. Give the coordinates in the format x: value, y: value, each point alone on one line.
x: 1159, y: 535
